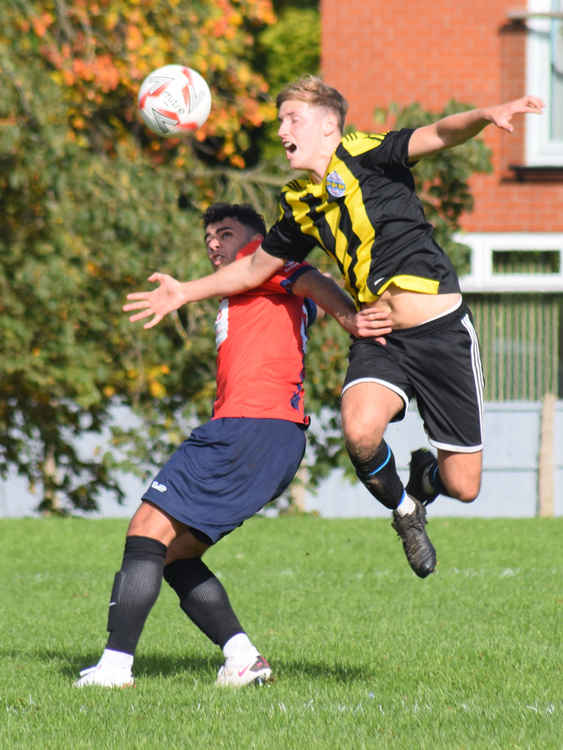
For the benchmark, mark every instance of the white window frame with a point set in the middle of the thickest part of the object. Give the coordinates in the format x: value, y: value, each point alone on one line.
x: 482, y: 277
x: 541, y: 150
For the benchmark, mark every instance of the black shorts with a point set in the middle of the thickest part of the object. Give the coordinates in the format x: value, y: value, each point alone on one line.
x: 439, y: 364
x: 226, y: 471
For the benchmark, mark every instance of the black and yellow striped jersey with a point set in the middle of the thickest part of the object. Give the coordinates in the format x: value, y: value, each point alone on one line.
x: 366, y: 215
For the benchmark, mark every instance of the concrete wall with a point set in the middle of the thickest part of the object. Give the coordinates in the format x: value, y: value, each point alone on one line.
x: 510, y: 468
x: 510, y: 476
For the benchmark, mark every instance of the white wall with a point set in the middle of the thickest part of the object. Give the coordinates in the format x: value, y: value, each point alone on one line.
x: 510, y: 473
x: 509, y: 488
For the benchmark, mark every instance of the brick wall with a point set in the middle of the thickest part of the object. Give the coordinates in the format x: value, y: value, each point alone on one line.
x: 378, y: 52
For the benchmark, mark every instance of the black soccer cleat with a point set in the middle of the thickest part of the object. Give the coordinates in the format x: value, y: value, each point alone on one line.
x: 421, y: 459
x: 418, y: 547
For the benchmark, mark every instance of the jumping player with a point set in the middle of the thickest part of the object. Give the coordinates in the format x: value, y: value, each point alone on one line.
x: 230, y: 467
x: 359, y: 204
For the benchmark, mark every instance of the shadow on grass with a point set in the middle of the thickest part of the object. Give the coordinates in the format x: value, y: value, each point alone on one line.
x: 152, y: 665
x: 69, y: 665
x: 346, y: 673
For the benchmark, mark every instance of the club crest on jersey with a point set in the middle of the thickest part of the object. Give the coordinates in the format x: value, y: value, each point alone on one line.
x: 335, y: 185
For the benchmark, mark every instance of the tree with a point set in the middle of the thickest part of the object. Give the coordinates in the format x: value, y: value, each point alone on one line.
x: 89, y: 205
x: 288, y: 49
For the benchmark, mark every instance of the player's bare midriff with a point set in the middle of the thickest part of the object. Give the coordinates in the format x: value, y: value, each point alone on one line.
x: 407, y: 309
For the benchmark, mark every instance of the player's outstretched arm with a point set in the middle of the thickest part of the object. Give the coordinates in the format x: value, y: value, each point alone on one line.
x: 323, y: 290
x: 455, y: 129
x: 170, y: 294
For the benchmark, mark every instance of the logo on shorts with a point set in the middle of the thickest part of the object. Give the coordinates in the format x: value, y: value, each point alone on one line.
x: 159, y: 487
x: 335, y: 185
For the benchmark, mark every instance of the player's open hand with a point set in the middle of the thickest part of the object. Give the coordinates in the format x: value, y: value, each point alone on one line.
x: 159, y: 302
x: 501, y: 115
x: 372, y: 323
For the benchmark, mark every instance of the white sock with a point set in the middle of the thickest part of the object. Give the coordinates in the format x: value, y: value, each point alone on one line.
x: 406, y: 506
x: 239, y: 649
x: 116, y: 660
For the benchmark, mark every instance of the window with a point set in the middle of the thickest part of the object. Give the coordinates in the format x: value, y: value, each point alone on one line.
x: 507, y: 261
x: 514, y: 262
x: 515, y: 290
x: 544, y: 135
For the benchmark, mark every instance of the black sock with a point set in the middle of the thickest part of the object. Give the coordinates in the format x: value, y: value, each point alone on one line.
x: 135, y: 589
x: 433, y: 481
x: 203, y: 599
x: 378, y: 474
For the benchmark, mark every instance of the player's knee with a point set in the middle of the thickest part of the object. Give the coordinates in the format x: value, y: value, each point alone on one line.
x: 361, y: 440
x: 360, y: 449
x: 466, y: 491
x: 468, y: 497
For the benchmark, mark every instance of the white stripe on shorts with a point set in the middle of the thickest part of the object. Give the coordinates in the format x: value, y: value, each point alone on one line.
x: 399, y: 391
x: 476, y: 366
x: 455, y: 448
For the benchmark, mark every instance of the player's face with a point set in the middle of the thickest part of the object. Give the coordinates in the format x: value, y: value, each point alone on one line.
x: 301, y: 125
x: 224, y: 239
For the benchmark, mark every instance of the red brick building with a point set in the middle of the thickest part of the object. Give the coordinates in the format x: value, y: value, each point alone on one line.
x: 377, y: 52
x: 479, y: 52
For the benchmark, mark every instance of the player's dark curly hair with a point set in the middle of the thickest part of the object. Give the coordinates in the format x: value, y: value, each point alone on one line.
x: 243, y: 212
x: 313, y: 89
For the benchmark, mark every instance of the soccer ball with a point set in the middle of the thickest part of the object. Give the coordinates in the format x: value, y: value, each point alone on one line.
x: 174, y: 100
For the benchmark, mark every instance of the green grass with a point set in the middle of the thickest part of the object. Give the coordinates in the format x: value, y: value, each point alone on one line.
x: 366, y: 655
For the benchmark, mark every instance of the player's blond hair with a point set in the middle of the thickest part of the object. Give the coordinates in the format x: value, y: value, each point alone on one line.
x: 312, y: 89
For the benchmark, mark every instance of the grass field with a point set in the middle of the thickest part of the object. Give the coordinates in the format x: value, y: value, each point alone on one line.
x: 366, y: 655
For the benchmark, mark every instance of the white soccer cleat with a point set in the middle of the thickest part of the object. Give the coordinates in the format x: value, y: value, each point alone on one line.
x: 256, y: 672
x: 105, y: 676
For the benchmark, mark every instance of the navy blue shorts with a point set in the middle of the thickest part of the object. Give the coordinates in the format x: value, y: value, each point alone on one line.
x: 226, y: 471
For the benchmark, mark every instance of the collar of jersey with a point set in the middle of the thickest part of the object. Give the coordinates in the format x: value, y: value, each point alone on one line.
x: 248, y: 249
x: 318, y: 188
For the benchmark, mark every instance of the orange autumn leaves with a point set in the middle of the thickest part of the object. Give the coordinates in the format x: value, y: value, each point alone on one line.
x: 99, y: 51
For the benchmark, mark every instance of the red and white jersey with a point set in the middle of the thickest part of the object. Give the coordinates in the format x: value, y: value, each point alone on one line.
x: 261, y: 342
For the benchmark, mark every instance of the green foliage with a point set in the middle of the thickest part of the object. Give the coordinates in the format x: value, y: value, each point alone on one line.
x: 89, y: 205
x: 287, y: 50
x: 98, y: 52
x: 80, y: 231
x: 291, y: 47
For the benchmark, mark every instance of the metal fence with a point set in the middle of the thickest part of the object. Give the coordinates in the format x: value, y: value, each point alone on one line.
x: 521, y: 337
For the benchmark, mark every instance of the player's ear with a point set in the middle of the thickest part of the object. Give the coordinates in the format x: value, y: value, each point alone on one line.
x: 330, y: 123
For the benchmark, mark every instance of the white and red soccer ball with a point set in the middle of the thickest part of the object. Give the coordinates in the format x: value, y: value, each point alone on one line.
x: 174, y: 100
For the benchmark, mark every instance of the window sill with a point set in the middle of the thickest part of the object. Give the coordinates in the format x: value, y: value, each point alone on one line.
x: 526, y: 173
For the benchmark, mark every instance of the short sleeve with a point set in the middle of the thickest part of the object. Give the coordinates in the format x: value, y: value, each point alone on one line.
x: 390, y: 149
x: 281, y: 244
x: 285, y: 238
